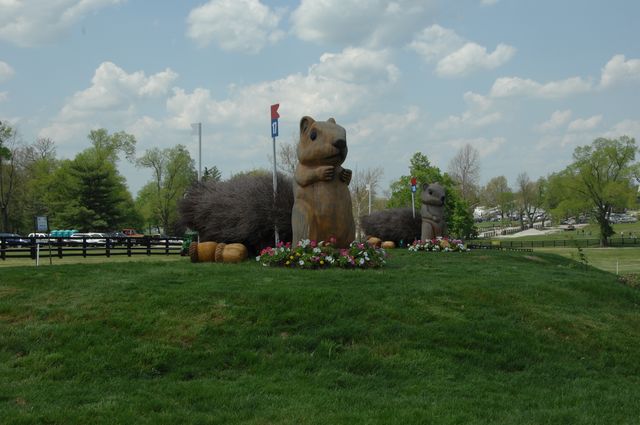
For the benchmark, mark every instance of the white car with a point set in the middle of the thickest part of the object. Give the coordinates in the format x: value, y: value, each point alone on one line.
x: 41, y: 238
x: 91, y: 239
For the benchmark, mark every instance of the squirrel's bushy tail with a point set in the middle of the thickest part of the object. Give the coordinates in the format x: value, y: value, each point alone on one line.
x: 241, y: 209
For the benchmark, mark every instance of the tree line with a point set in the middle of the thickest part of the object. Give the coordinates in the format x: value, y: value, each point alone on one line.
x: 88, y: 192
x: 602, y: 178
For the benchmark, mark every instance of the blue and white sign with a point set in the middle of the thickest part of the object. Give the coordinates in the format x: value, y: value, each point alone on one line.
x: 274, y: 120
x: 413, y: 188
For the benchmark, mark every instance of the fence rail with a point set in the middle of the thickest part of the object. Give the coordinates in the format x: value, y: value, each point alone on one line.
x: 556, y: 243
x: 87, y: 247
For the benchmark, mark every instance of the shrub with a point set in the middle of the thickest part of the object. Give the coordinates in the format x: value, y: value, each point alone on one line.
x: 439, y: 245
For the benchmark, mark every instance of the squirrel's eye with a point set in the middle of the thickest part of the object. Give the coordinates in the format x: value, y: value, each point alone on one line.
x: 430, y: 192
x: 313, y: 135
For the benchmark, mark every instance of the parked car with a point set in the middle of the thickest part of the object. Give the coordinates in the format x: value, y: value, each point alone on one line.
x: 41, y: 238
x: 172, y: 239
x: 13, y: 239
x: 117, y: 238
x: 93, y: 239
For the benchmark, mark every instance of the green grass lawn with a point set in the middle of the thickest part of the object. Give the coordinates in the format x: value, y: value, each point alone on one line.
x: 621, y: 260
x: 485, y: 337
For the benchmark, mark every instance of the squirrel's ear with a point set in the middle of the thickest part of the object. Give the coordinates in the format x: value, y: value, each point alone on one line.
x: 425, y: 186
x: 332, y: 120
x: 305, y: 123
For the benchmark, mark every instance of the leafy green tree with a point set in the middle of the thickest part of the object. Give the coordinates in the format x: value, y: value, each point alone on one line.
x: 211, y: 174
x: 109, y: 147
x: 173, y: 172
x: 529, y: 199
x: 88, y: 192
x: 464, y: 169
x: 35, y: 164
x: 458, y: 217
x: 602, y: 174
x: 6, y: 132
x: 559, y: 201
x: 497, y: 194
x: 8, y: 173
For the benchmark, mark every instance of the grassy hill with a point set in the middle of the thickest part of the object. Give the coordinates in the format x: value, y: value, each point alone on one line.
x: 474, y: 338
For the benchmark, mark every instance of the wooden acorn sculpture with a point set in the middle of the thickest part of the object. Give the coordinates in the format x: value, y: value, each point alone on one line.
x: 217, y: 252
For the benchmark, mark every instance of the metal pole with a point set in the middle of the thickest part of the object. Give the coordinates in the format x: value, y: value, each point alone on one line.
x: 275, y: 189
x: 413, y: 204
x: 199, y: 151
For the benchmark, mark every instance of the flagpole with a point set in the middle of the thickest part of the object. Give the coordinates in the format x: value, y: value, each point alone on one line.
x: 199, y: 151
x: 274, y: 134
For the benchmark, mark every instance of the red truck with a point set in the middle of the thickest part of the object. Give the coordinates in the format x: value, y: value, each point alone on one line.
x: 131, y: 233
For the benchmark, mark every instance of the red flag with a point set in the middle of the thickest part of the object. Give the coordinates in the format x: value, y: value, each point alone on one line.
x: 414, y: 181
x: 274, y: 111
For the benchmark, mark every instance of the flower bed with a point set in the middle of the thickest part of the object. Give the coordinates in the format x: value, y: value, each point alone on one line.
x: 321, y: 255
x: 439, y: 245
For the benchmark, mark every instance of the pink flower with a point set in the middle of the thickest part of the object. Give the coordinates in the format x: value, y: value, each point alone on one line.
x: 313, y: 244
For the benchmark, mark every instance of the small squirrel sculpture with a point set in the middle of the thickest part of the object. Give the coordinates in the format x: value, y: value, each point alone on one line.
x: 322, y: 202
x: 432, y: 211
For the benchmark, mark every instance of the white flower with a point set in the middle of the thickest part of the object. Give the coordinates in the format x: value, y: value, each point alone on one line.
x: 258, y: 258
x: 361, y: 261
x: 330, y: 259
x: 301, y: 262
x: 317, y: 250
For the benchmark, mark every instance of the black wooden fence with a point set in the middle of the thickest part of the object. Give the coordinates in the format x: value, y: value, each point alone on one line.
x: 560, y: 243
x: 87, y: 247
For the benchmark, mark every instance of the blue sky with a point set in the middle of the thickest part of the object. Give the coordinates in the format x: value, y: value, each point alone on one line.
x: 524, y: 82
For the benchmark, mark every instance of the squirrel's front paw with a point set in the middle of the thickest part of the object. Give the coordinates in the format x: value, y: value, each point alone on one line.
x: 327, y: 172
x: 345, y: 176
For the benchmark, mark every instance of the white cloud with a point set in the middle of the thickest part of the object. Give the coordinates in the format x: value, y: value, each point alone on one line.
x: 321, y: 92
x: 619, y: 70
x: 585, y: 124
x: 515, y: 86
x: 111, y: 86
x: 627, y: 127
x: 4, y: 96
x: 558, y: 119
x: 555, y: 142
x: 241, y: 25
x: 454, y: 55
x: 484, y: 146
x: 144, y: 127
x: 30, y: 23
x: 358, y: 22
x: 387, y: 128
x: 472, y: 57
x: 113, y: 94
x: 436, y: 42
x: 479, y: 113
x: 356, y: 65
x: 488, y: 2
x: 6, y: 72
